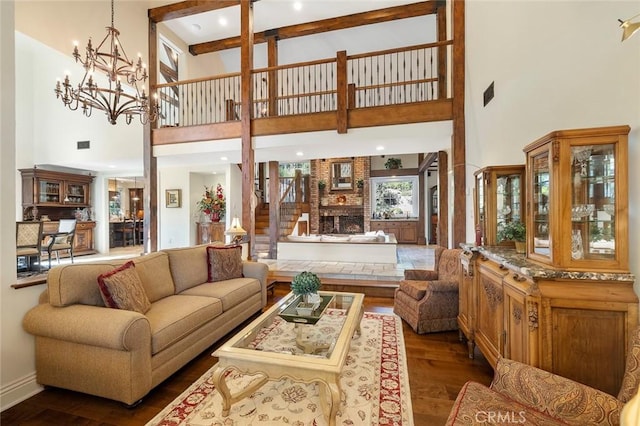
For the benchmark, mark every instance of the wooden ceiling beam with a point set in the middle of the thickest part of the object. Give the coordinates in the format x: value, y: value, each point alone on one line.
x: 324, y: 25
x: 188, y: 8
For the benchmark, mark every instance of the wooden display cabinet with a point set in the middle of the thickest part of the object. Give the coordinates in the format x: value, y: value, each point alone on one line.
x: 489, y: 330
x: 499, y: 200
x: 577, y: 190
x: 467, y: 299
x: 56, y: 194
x: 566, y: 322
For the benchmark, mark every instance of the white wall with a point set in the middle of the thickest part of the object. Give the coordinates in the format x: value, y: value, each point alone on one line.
x: 17, y: 367
x: 556, y: 65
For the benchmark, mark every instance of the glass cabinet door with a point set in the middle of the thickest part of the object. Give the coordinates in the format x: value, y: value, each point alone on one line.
x: 508, y: 198
x: 480, y: 207
x: 75, y: 193
x: 49, y: 191
x: 577, y: 199
x: 499, y: 201
x: 593, y: 207
x: 541, y: 203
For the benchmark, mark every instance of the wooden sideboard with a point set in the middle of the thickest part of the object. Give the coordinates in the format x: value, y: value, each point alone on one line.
x: 207, y: 232
x: 405, y: 231
x: 83, y: 240
x: 567, y: 322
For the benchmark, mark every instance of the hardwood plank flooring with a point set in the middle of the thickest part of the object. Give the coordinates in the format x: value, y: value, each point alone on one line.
x: 438, y: 366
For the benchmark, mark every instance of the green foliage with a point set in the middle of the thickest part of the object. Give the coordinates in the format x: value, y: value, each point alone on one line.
x: 360, y: 183
x: 304, y: 283
x: 322, y: 185
x: 512, y: 231
x: 393, y: 163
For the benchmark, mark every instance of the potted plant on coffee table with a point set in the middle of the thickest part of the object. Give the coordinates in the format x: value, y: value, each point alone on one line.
x: 513, y: 231
x: 306, y: 284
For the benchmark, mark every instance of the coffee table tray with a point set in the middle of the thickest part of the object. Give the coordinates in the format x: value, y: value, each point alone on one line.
x: 290, y: 314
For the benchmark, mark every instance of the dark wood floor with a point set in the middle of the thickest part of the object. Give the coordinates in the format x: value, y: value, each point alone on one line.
x: 438, y: 366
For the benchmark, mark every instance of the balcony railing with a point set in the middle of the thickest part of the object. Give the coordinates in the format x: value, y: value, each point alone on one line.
x: 390, y: 77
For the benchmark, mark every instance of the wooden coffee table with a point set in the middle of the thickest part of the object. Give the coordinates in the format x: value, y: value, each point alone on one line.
x: 237, y: 354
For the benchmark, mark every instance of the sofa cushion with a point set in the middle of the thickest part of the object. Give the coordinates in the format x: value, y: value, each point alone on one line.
x: 76, y: 283
x: 231, y: 292
x: 155, y: 275
x: 121, y: 288
x: 174, y: 317
x: 189, y: 266
x: 224, y: 263
x: 477, y: 404
x: 415, y: 289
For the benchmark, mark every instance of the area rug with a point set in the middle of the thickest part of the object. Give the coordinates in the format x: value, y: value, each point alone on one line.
x: 374, y: 383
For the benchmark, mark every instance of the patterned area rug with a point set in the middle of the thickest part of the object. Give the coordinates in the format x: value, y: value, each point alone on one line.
x: 374, y: 382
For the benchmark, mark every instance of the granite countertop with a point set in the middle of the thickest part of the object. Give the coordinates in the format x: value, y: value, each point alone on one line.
x: 520, y: 264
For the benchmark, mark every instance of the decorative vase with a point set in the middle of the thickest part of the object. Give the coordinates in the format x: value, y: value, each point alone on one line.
x: 521, y: 247
x: 215, y: 217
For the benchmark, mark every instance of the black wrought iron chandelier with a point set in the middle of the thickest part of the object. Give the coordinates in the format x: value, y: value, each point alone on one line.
x: 122, y: 96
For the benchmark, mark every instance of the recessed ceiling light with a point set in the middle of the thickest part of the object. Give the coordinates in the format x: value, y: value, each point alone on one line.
x: 224, y: 158
x: 299, y: 153
x: 222, y: 21
x: 380, y: 148
x: 297, y: 5
x: 196, y: 27
x: 112, y: 166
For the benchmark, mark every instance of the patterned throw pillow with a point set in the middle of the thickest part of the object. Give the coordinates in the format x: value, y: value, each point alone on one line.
x: 122, y: 289
x: 224, y: 263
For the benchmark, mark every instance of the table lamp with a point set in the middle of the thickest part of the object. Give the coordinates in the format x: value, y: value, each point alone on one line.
x: 235, y: 231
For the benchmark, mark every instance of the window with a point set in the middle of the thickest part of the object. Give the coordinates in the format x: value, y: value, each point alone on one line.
x: 394, y: 197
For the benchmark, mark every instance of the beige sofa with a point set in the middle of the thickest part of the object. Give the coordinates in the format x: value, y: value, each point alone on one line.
x: 120, y: 354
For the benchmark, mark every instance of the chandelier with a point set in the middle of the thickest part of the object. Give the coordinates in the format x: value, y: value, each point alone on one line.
x: 117, y: 67
x: 629, y: 28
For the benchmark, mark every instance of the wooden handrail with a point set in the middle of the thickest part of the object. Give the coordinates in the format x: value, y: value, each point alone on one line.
x: 401, y: 49
x: 395, y: 84
x: 198, y: 80
x: 296, y: 65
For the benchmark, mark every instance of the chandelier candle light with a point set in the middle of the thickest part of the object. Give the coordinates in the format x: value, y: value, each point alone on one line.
x: 113, y: 100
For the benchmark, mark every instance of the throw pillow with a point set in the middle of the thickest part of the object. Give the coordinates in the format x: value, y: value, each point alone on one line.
x: 121, y: 288
x: 224, y: 263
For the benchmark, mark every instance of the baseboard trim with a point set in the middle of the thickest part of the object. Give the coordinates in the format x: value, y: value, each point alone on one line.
x: 19, y: 390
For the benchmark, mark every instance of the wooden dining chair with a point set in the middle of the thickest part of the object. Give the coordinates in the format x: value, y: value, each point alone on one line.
x: 62, y: 240
x: 29, y: 241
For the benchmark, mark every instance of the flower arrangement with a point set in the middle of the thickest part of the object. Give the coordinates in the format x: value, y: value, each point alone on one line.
x: 213, y: 203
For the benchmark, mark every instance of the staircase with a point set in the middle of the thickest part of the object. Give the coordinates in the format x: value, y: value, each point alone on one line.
x: 289, y: 214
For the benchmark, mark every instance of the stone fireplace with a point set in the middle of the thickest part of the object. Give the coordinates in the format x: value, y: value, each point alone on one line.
x: 341, y: 220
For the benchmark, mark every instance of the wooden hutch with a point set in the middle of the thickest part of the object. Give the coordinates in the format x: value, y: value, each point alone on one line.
x: 58, y: 195
x: 568, y: 306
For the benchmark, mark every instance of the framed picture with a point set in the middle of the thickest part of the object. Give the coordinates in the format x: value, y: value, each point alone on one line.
x: 173, y: 198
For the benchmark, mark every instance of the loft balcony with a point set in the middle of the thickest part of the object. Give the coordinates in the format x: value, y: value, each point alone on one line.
x: 397, y: 86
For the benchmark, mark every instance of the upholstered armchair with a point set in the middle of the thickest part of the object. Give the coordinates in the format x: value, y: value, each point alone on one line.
x: 428, y: 300
x: 523, y: 394
x: 62, y: 240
